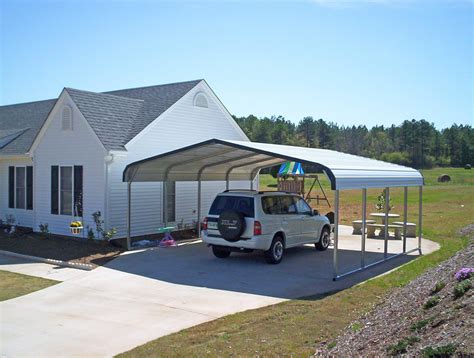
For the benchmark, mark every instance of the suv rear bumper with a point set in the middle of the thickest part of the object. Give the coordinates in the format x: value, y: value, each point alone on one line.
x: 260, y: 242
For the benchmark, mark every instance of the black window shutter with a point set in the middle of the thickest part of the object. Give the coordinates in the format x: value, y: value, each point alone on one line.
x: 78, y: 190
x: 11, y: 187
x: 29, y: 188
x: 54, y: 189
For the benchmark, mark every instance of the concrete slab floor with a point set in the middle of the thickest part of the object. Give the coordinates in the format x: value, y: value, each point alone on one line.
x: 145, y: 294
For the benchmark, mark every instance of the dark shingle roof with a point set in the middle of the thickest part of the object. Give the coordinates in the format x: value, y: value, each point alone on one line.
x: 157, y: 99
x: 17, y: 117
x: 111, y: 117
x: 115, y: 116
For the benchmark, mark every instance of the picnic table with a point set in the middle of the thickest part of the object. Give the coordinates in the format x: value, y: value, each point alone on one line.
x: 382, y: 216
x: 371, y: 227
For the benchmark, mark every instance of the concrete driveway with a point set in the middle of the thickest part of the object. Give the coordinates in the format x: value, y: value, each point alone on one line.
x: 146, y: 294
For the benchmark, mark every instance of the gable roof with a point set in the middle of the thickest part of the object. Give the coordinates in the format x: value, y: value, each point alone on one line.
x: 111, y: 117
x: 115, y: 116
x: 25, y: 119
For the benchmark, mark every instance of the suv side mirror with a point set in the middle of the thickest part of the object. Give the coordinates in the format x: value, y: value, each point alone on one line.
x: 315, y: 212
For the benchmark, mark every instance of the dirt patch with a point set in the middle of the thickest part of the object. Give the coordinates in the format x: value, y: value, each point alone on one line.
x: 59, y: 248
x: 422, y: 316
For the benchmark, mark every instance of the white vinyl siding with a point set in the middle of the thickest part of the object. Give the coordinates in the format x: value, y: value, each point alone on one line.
x: 182, y: 125
x: 66, y: 149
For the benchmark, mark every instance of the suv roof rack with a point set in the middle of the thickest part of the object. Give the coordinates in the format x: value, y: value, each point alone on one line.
x: 227, y: 190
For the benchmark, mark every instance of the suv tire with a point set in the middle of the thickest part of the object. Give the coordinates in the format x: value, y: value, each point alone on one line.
x: 231, y: 224
x: 274, y: 254
x: 324, y: 240
x: 220, y: 252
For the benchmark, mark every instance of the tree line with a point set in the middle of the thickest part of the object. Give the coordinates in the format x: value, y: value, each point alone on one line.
x: 414, y: 143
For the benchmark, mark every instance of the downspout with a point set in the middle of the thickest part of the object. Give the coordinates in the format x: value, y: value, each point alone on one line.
x: 109, y: 158
x: 34, y: 192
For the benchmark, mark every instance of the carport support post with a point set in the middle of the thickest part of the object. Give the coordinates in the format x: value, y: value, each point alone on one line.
x: 336, y: 233
x: 165, y: 201
x: 387, y: 208
x: 129, y: 215
x: 405, y: 217
x: 420, y: 218
x: 199, y: 208
x: 364, y: 224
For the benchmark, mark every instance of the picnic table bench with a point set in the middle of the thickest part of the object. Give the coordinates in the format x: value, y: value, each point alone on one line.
x: 411, y: 228
x: 372, y: 227
x: 357, y: 226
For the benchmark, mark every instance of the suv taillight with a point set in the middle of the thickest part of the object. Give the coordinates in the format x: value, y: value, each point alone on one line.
x: 204, y: 223
x: 257, y: 228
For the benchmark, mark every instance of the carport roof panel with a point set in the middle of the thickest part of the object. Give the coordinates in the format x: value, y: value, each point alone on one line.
x: 214, y: 158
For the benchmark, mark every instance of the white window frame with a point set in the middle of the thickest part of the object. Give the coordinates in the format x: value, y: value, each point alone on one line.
x: 14, y: 187
x: 60, y: 190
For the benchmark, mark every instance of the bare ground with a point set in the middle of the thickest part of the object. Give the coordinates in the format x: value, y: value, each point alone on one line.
x: 401, y: 317
x: 59, y: 248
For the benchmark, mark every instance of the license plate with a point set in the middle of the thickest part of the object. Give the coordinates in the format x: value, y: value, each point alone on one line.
x: 212, y: 225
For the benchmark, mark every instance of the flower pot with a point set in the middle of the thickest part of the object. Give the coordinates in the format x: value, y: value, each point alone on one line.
x: 76, y: 230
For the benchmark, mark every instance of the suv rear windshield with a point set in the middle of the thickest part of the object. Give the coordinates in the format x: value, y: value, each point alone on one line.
x: 241, y: 204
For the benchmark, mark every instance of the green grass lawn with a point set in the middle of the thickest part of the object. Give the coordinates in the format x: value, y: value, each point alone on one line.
x: 296, y: 327
x: 14, y: 284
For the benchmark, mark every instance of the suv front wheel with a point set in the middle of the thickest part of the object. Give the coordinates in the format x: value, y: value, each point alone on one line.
x: 274, y: 254
x: 324, y: 240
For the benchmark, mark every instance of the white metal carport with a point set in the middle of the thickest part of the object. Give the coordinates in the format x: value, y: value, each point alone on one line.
x: 225, y: 160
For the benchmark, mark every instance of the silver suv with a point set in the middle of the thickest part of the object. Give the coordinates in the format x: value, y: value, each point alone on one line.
x: 244, y: 221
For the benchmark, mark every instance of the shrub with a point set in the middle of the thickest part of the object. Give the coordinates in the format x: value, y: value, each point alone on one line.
x: 356, y: 327
x: 443, y: 162
x: 432, y: 301
x: 402, y: 158
x: 99, y: 227
x: 442, y: 351
x: 464, y: 273
x: 44, y: 230
x: 419, y: 325
x: 401, y: 346
x: 461, y: 288
x: 438, y: 287
x: 90, y: 233
x: 380, y: 205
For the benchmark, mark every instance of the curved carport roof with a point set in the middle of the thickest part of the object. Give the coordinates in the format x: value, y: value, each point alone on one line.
x: 218, y: 159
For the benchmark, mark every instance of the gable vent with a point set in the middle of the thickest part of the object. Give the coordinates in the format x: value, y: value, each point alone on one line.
x: 200, y: 100
x: 66, y: 119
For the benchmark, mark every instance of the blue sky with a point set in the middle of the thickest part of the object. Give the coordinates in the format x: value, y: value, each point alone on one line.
x: 366, y: 62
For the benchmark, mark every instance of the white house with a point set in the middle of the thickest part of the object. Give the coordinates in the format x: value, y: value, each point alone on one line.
x: 63, y: 159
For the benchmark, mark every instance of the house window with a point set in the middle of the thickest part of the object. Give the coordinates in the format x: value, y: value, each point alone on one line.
x: 200, y: 100
x: 20, y: 187
x: 171, y: 201
x: 66, y: 119
x: 66, y: 190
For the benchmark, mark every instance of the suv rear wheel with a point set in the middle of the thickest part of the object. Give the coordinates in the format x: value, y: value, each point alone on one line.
x: 220, y: 252
x: 274, y: 254
x: 324, y: 240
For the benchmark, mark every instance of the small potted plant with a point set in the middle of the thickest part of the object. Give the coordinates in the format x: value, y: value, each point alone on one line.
x: 76, y: 227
